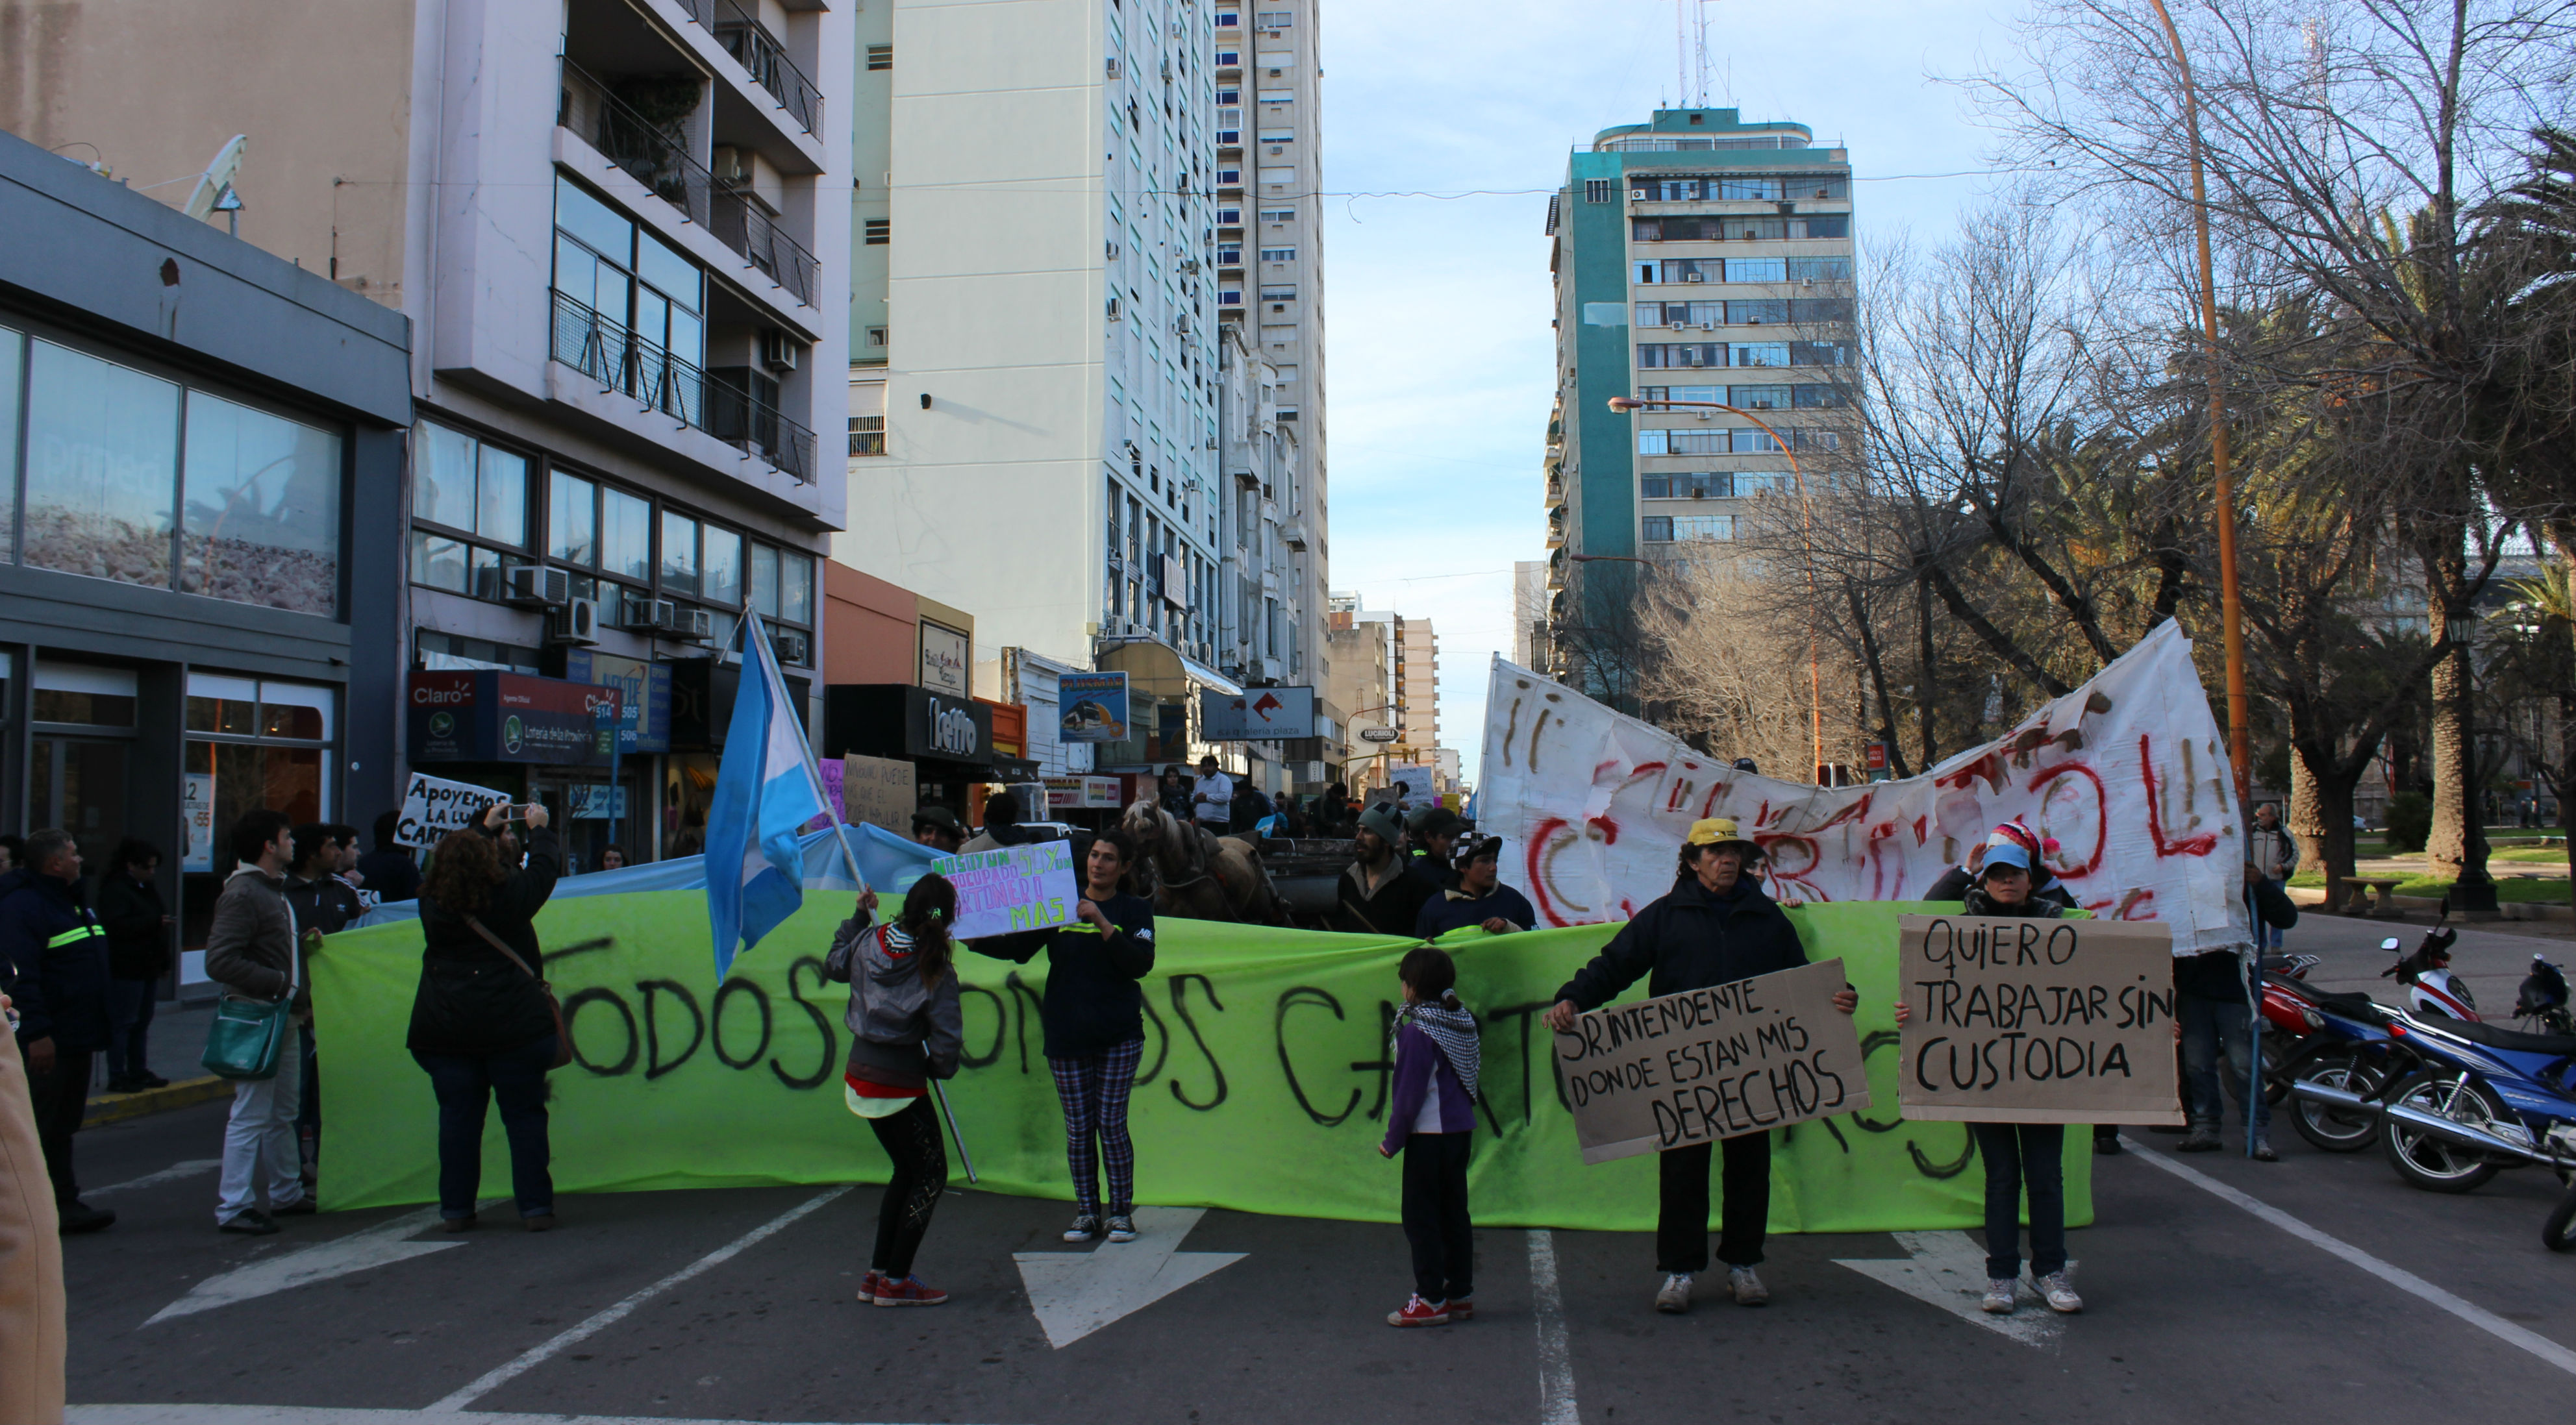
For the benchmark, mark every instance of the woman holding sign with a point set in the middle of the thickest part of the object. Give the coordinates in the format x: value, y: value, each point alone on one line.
x: 1713, y: 928
x: 1094, y: 1016
x: 2019, y: 1157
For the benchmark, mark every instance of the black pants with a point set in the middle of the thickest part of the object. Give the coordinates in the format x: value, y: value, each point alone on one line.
x: 2019, y: 1157
x: 911, y: 1139
x: 1681, y: 1218
x: 61, y: 1099
x: 466, y: 1086
x: 1435, y: 1216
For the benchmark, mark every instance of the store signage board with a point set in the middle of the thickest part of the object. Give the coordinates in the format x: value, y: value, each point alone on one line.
x: 946, y: 658
x: 512, y: 717
x: 644, y: 688
x: 197, y: 814
x: 1256, y: 714
x: 1092, y: 707
x: 1379, y: 734
x: 1082, y: 793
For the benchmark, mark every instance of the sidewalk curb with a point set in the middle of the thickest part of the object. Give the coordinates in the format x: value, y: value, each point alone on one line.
x: 116, y: 1107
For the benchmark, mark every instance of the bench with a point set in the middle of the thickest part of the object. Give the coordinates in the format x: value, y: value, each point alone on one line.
x: 2373, y: 896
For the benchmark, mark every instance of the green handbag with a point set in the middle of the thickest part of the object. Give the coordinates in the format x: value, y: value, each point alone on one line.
x: 243, y: 1041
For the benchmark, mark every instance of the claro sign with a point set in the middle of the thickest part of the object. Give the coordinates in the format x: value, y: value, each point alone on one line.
x: 512, y: 717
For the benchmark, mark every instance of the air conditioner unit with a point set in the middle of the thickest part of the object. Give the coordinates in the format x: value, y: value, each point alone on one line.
x: 642, y: 614
x: 1694, y: 358
x: 1113, y: 252
x: 1698, y: 493
x: 778, y: 350
x: 1708, y: 326
x: 575, y: 622
x: 1115, y: 70
x: 1704, y: 415
x: 730, y: 164
x: 533, y: 586
x: 1113, y: 309
x: 1692, y: 277
x: 691, y: 625
x: 1636, y: 195
x: 791, y: 646
x: 1189, y: 264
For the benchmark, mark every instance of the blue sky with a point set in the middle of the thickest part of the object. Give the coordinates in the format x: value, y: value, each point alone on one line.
x: 1439, y: 357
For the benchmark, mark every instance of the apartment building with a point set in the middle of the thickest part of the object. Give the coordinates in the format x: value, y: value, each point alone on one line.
x: 1360, y: 681
x: 1270, y: 258
x: 617, y: 230
x: 1697, y: 258
x: 1033, y: 419
x: 1417, y: 690
x: 1529, y: 613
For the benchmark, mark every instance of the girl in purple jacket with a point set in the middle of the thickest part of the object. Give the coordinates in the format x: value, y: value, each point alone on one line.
x: 1436, y: 1059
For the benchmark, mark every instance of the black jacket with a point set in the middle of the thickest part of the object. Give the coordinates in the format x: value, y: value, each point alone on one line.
x: 2030, y: 908
x: 138, y: 944
x: 328, y: 905
x: 1391, y: 911
x: 472, y: 1000
x: 1954, y: 883
x: 2215, y: 975
x: 1092, y: 1003
x: 391, y: 873
x: 53, y: 956
x: 1453, y: 909
x: 1691, y: 940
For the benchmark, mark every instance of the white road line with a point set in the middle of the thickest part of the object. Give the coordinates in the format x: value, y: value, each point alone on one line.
x: 192, y: 1168
x: 1555, y: 1353
x: 502, y: 1375
x: 2398, y: 1277
x: 331, y: 1415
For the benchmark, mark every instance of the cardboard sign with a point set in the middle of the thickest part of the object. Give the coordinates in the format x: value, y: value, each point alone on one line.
x: 1093, y: 707
x: 878, y: 791
x: 1708, y: 1064
x: 1011, y: 889
x: 434, y: 806
x: 2036, y: 1021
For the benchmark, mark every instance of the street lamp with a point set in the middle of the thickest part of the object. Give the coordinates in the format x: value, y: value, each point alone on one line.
x: 1807, y: 523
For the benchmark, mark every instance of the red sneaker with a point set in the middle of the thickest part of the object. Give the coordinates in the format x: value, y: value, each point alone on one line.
x: 868, y: 1285
x: 1462, y: 1308
x: 907, y: 1291
x: 1418, y: 1312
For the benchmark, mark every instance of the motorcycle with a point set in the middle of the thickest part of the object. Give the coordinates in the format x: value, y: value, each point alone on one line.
x: 2540, y: 1005
x: 2431, y: 988
x: 2286, y: 996
x: 2336, y: 1067
x: 2460, y: 1100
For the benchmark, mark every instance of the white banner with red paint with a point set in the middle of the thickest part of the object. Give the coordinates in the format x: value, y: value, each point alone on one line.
x: 2127, y: 773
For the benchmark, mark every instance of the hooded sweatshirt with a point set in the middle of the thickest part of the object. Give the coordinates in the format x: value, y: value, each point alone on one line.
x: 902, y: 1033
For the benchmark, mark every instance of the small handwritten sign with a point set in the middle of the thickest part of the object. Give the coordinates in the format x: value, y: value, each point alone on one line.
x: 1011, y: 889
x: 2036, y: 1021
x: 1714, y: 1063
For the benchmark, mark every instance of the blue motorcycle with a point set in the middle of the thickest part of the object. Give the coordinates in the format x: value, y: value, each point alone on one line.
x: 2469, y: 1099
x: 2337, y: 1067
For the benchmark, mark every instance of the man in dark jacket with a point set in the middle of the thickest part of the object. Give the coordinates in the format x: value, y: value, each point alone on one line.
x: 1376, y: 893
x: 1713, y: 928
x: 321, y: 899
x: 389, y: 871
x: 1432, y: 834
x: 1479, y: 898
x: 55, y: 955
x: 138, y: 955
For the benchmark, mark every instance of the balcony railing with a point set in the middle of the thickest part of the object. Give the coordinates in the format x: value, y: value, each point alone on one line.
x: 659, y: 160
x: 759, y: 51
x: 619, y: 360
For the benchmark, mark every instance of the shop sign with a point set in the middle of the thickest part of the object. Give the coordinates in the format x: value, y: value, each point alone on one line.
x: 955, y: 729
x: 1082, y: 793
x: 197, y: 813
x: 945, y: 656
x: 644, y: 712
x: 1092, y: 706
x: 1256, y: 714
x: 878, y: 791
x: 511, y: 717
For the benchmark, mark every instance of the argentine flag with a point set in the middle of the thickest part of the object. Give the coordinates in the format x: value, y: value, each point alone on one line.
x: 766, y: 789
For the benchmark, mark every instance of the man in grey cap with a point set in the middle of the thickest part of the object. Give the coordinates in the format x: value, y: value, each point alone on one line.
x: 1377, y: 894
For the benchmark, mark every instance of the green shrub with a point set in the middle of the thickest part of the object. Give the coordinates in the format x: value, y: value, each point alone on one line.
x: 2410, y: 821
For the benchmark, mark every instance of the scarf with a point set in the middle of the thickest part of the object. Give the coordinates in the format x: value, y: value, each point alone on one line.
x: 1454, y: 1032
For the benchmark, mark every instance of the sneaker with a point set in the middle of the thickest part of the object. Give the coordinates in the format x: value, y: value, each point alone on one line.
x: 907, y: 1291
x: 250, y: 1222
x: 1417, y: 1312
x: 1748, y: 1288
x: 79, y: 1216
x: 538, y: 1222
x: 2202, y: 1139
x: 1674, y: 1299
x: 868, y: 1285
x: 2263, y: 1149
x: 2106, y: 1145
x: 1999, y: 1296
x: 2060, y: 1293
x: 1122, y: 1228
x: 1084, y: 1228
x: 1462, y: 1308
x: 302, y: 1207
x: 456, y: 1224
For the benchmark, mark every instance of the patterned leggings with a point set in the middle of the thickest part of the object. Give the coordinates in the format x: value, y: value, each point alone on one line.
x: 1094, y: 1091
x: 911, y: 1139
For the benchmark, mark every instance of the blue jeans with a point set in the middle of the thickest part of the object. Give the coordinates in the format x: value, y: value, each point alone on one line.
x: 466, y: 1084
x: 2024, y: 1157
x: 129, y: 1019
x: 2213, y: 1030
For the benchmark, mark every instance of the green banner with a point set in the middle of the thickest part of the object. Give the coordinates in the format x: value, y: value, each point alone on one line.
x: 1263, y: 1088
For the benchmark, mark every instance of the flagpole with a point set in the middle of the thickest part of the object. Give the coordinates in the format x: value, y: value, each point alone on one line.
x: 841, y: 838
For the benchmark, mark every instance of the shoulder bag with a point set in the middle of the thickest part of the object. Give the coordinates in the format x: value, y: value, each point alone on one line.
x: 243, y: 1041
x: 563, y: 1037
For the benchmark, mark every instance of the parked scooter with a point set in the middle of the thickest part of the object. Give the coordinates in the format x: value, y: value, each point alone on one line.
x: 2540, y: 1006
x: 2336, y: 1067
x: 2463, y: 1099
x: 2431, y: 988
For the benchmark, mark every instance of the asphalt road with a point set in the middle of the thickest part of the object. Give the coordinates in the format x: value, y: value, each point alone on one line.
x: 2368, y: 1300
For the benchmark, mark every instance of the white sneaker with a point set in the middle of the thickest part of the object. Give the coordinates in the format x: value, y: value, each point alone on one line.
x: 1122, y: 1229
x: 1999, y: 1296
x: 1748, y: 1288
x: 2060, y: 1293
x: 1084, y: 1228
x: 1674, y: 1299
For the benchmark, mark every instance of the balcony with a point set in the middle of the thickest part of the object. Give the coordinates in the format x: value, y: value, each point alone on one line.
x: 764, y: 55
x: 655, y: 156
x: 621, y: 361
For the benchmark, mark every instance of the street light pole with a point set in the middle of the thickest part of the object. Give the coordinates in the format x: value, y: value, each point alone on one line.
x: 1807, y: 525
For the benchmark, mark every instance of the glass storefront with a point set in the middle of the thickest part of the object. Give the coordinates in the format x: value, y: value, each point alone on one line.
x: 250, y: 743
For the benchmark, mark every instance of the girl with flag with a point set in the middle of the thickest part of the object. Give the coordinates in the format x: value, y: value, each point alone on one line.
x: 905, y: 1030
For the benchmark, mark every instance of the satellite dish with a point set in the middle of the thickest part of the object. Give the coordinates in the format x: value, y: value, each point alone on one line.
x: 217, y: 180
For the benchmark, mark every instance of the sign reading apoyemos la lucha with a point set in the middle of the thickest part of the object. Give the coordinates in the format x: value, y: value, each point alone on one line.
x: 2036, y: 1021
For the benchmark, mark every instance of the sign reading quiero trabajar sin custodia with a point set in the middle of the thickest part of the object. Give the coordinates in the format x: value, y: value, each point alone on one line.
x: 2036, y: 1021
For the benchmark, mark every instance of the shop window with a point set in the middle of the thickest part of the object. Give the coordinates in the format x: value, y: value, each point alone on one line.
x: 12, y: 360
x: 261, y: 508
x: 83, y: 695
x: 251, y: 743
x: 796, y: 587
x: 102, y: 471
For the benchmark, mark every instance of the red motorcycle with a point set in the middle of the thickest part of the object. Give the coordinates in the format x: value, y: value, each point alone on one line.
x: 2286, y: 1007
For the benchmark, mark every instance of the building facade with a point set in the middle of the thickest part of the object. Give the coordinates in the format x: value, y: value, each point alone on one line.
x: 1696, y: 258
x: 617, y: 228
x: 1040, y: 442
x: 201, y: 531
